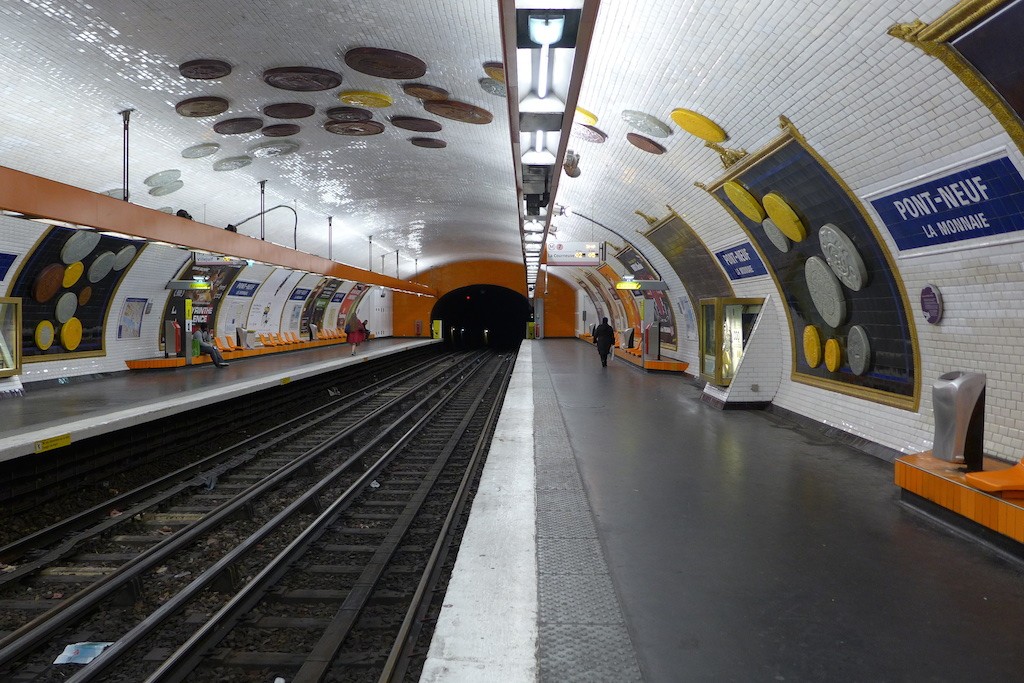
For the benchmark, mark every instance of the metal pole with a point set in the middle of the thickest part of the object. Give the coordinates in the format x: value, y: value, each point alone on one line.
x: 330, y: 236
x: 370, y: 259
x: 125, y: 116
x: 416, y: 267
x: 396, y: 264
x: 263, y: 203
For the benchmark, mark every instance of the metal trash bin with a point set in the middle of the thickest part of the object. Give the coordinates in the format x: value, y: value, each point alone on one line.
x: 958, y: 407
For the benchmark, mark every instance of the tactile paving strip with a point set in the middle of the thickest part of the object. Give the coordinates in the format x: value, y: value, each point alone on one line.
x: 582, y: 635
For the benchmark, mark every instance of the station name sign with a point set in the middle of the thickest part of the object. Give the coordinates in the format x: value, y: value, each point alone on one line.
x: 980, y: 201
x: 575, y: 253
x: 741, y: 262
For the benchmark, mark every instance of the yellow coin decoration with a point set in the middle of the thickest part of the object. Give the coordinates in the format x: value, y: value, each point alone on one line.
x: 366, y: 98
x: 44, y: 335
x: 812, y: 346
x: 72, y: 273
x: 495, y: 70
x: 744, y: 201
x: 71, y: 334
x: 586, y: 117
x: 833, y: 355
x: 699, y: 125
x: 784, y: 217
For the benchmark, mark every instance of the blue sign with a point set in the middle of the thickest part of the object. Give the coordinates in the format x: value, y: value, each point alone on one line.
x: 6, y: 260
x: 980, y: 201
x: 300, y: 294
x: 340, y: 296
x: 741, y: 262
x: 243, y: 288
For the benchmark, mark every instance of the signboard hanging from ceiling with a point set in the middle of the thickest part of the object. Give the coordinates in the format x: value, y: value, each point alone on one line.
x: 575, y: 253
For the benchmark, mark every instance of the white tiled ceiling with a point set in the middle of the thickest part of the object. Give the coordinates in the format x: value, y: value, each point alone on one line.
x: 68, y: 67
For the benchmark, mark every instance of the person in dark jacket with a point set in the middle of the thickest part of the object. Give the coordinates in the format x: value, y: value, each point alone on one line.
x: 604, y: 337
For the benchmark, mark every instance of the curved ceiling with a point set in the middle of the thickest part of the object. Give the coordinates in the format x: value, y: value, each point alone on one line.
x: 70, y: 66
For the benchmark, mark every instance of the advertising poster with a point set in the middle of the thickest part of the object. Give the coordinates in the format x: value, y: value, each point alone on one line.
x: 204, y: 301
x: 323, y: 293
x: 131, y: 318
x: 636, y: 264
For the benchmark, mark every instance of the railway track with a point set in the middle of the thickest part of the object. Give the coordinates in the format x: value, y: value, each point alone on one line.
x: 174, y: 551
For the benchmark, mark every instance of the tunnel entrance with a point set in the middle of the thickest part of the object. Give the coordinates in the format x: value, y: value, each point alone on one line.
x: 483, y: 315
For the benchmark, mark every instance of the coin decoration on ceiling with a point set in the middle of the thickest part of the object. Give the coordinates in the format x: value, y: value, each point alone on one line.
x: 302, y: 78
x: 775, y: 236
x: 196, y: 107
x: 366, y: 98
x: 289, y: 110
x: 646, y: 124
x: 459, y: 111
x: 495, y: 70
x: 582, y: 131
x: 166, y: 188
x: 429, y: 143
x: 416, y: 124
x: 422, y: 91
x: 205, y: 69
x: 349, y: 114
x: 162, y: 177
x: 584, y: 116
x: 201, y: 150
x: 843, y: 257
x: 237, y: 126
x: 493, y: 87
x: 280, y: 130
x: 274, y: 148
x: 232, y: 163
x: 47, y: 283
x: 812, y: 346
x: 116, y: 193
x: 646, y: 144
x: 698, y: 125
x: 825, y: 291
x: 79, y: 246
x: 360, y: 128
x: 783, y: 215
x: 858, y: 350
x: 384, y: 63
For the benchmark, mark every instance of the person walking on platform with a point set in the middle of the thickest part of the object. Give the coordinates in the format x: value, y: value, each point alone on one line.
x: 355, y: 332
x: 604, y: 337
x: 206, y: 345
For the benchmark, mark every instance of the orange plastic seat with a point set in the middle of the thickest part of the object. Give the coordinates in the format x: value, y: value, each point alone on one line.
x: 220, y: 345
x: 266, y: 340
x: 293, y: 338
x: 1008, y: 483
x: 230, y: 344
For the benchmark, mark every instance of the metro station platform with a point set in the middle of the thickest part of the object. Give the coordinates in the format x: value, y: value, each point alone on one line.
x: 626, y: 531
x: 60, y: 413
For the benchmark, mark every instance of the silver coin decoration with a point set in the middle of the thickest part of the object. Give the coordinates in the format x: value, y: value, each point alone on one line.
x: 200, y: 151
x: 858, y: 350
x: 825, y: 290
x: 116, y: 193
x: 163, y: 177
x: 775, y: 236
x: 79, y: 246
x: 167, y: 188
x: 101, y: 266
x: 67, y: 304
x: 493, y: 87
x: 843, y: 257
x: 276, y: 148
x: 646, y: 124
x: 231, y: 163
x: 124, y: 257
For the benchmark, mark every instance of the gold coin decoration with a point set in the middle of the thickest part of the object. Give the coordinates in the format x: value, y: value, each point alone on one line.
x: 812, y: 346
x: 699, y: 125
x: 495, y: 70
x: 744, y: 201
x: 584, y: 116
x: 73, y: 272
x: 71, y: 334
x: 833, y: 355
x: 44, y: 335
x: 366, y: 98
x: 784, y: 217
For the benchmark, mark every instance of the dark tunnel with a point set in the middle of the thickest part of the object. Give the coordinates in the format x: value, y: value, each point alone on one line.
x: 483, y: 315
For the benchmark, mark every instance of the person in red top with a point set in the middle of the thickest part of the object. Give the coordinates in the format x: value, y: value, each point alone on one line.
x: 355, y: 331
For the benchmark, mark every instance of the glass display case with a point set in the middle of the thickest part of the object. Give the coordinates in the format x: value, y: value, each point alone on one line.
x: 10, y: 336
x: 725, y: 326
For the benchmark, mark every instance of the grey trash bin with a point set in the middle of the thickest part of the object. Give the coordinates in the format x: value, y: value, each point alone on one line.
x: 958, y: 406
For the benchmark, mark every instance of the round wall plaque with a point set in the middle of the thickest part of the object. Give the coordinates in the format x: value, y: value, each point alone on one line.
x: 422, y: 91
x: 458, y: 111
x: 349, y: 114
x: 237, y: 126
x: 429, y: 143
x: 280, y: 130
x: 383, y: 63
x: 360, y: 128
x: 100, y: 267
x: 85, y: 295
x: 843, y: 257
x: 124, y: 257
x: 812, y: 346
x: 416, y: 124
x: 71, y: 334
x: 931, y: 304
x: 302, y: 78
x: 67, y: 304
x: 205, y: 69
x: 198, y: 151
x: 44, y: 335
x: 698, y: 125
x: 858, y: 350
x: 196, y: 107
x: 645, y: 123
x: 825, y: 291
x: 289, y: 110
x: 47, y: 282
x: 784, y: 217
x: 79, y: 246
x: 73, y: 273
x: 833, y: 355
x: 646, y: 144
x: 775, y: 236
x: 744, y: 201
